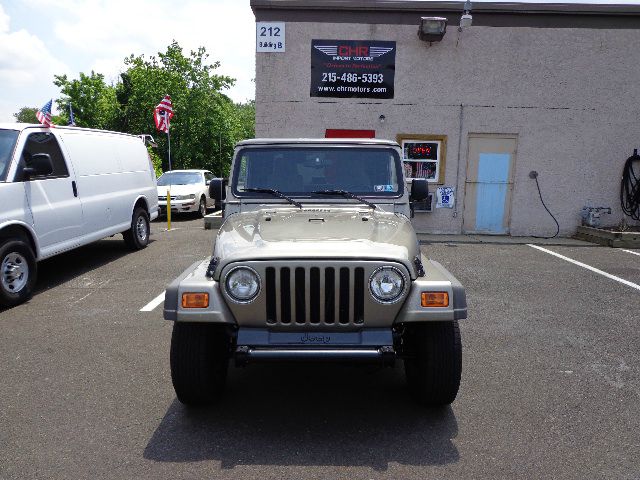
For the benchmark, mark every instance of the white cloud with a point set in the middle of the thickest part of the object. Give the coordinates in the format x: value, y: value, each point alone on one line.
x: 4, y: 21
x: 108, y: 31
x: 24, y: 58
x: 71, y: 36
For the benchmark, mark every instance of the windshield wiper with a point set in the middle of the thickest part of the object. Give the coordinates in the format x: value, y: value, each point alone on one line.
x: 345, y: 194
x: 275, y: 193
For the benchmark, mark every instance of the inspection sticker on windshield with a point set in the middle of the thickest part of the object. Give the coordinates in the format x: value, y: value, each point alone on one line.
x: 383, y: 188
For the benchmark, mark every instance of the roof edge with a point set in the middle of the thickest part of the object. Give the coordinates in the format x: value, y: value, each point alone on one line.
x: 446, y: 6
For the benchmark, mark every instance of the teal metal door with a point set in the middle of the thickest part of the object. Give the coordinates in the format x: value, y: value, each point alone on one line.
x: 489, y: 184
x: 491, y: 192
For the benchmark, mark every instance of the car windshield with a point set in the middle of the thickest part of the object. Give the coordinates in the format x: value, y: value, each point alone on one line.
x: 179, y: 178
x: 7, y: 142
x: 301, y: 171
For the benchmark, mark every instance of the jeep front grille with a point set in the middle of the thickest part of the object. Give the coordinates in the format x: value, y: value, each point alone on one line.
x: 318, y: 294
x: 315, y: 295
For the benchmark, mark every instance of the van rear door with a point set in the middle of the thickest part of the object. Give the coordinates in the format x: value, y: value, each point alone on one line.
x: 52, y: 199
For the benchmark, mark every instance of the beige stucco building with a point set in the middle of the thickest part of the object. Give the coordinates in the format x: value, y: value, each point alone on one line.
x: 551, y: 88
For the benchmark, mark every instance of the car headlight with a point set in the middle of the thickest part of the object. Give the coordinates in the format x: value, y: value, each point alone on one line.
x: 242, y: 284
x: 387, y: 284
x: 185, y: 197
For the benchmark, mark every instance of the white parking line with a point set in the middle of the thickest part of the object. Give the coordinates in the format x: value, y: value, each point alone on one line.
x: 588, y: 267
x: 629, y: 251
x: 153, y: 303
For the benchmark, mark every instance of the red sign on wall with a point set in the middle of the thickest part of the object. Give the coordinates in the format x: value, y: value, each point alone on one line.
x: 342, y: 133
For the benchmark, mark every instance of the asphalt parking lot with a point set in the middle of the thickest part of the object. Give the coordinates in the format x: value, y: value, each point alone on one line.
x: 550, y: 384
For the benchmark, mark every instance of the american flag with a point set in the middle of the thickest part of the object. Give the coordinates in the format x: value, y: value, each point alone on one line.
x: 163, y: 113
x: 44, y: 114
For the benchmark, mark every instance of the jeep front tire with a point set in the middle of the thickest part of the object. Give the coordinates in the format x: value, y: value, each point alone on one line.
x: 199, y: 362
x: 433, y: 362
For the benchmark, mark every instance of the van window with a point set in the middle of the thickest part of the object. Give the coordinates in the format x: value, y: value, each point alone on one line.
x: 7, y: 143
x: 43, y: 142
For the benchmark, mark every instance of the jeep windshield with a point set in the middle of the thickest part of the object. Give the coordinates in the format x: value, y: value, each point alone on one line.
x: 318, y: 172
x: 7, y: 143
x: 179, y: 178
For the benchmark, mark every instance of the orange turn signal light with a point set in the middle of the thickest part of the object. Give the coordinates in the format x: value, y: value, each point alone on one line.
x: 434, y: 299
x: 195, y: 300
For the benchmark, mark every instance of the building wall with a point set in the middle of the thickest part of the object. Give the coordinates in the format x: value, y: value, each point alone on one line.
x: 571, y: 95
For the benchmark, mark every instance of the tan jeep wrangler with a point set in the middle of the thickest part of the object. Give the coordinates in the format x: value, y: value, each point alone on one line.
x: 316, y: 261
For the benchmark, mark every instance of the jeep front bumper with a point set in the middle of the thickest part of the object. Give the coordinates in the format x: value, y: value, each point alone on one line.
x: 263, y: 345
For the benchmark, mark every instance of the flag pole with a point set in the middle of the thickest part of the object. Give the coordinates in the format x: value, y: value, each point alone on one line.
x: 169, y: 143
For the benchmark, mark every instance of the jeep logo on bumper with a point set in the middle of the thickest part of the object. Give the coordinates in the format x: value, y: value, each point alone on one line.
x: 306, y: 338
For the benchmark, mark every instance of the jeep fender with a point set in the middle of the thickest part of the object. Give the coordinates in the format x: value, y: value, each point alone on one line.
x: 435, y: 279
x: 195, y: 280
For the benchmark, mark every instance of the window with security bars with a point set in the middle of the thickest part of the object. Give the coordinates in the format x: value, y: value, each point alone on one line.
x: 423, y: 156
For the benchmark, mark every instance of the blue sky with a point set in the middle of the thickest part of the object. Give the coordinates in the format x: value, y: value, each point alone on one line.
x: 40, y: 38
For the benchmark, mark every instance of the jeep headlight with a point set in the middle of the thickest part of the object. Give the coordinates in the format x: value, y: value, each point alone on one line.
x: 242, y: 284
x: 387, y: 284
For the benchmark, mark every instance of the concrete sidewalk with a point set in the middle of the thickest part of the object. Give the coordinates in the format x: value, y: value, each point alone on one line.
x: 428, y: 238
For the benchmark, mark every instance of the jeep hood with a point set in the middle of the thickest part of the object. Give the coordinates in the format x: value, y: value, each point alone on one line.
x: 321, y: 233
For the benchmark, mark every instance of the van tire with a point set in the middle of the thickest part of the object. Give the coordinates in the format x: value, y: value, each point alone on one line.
x: 199, y: 362
x: 137, y: 237
x: 433, y: 365
x: 18, y: 270
x: 202, y: 208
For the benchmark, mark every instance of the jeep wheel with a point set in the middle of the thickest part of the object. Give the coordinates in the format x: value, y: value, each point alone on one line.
x: 433, y: 365
x: 199, y: 362
x: 17, y: 272
x: 202, y: 209
x: 137, y: 237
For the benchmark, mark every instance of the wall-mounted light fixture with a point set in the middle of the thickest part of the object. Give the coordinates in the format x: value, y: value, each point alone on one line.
x: 466, y: 19
x: 432, y: 29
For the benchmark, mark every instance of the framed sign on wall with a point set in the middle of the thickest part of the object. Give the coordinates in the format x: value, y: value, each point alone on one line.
x: 424, y: 156
x: 353, y: 68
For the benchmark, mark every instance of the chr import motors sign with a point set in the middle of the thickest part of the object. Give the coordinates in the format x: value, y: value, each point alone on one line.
x: 352, y: 68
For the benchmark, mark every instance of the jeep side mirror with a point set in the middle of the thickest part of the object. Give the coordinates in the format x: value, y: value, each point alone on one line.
x: 419, y: 190
x: 39, y: 164
x: 216, y: 189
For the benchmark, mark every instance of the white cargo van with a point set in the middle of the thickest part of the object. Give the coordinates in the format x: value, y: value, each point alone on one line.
x: 64, y: 187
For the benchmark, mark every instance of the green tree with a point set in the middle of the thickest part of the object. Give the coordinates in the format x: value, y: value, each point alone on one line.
x: 206, y: 124
x: 155, y: 160
x: 240, y: 123
x: 93, y: 101
x: 26, y: 115
x: 200, y: 107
